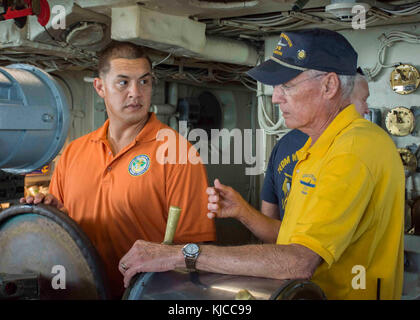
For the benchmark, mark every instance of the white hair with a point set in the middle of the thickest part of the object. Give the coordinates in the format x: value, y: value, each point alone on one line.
x: 358, y: 78
x: 346, y: 85
x: 346, y: 82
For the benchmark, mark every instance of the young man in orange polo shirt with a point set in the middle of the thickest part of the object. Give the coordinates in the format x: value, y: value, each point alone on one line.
x: 114, y: 183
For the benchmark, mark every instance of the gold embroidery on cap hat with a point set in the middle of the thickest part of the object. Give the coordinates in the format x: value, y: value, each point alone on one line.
x: 282, y: 44
x: 301, y: 54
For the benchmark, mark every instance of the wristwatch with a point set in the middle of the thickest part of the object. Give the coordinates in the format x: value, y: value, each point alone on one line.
x: 191, y: 252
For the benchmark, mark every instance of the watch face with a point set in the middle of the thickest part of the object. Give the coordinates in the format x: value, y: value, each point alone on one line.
x: 191, y: 249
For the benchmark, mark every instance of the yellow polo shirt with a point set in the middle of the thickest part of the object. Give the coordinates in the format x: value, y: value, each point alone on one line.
x: 347, y: 205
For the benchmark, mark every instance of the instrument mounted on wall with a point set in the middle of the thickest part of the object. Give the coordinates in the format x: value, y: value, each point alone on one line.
x: 20, y: 9
x: 400, y: 121
x: 409, y: 160
x: 405, y: 79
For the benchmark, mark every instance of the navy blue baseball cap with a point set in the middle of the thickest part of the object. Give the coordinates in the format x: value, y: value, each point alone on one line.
x: 298, y: 51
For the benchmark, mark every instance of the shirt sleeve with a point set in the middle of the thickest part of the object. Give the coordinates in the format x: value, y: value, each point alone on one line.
x: 335, y: 208
x: 268, y: 192
x: 186, y: 186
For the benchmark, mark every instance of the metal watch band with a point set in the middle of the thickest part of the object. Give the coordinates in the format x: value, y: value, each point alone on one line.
x: 190, y: 263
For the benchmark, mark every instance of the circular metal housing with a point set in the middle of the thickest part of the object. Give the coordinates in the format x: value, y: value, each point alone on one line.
x: 343, y: 10
x: 400, y: 121
x: 34, y: 118
x: 405, y: 79
x: 184, y: 285
x: 44, y: 241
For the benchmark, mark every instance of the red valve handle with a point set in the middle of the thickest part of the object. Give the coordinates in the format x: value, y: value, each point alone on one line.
x: 43, y: 17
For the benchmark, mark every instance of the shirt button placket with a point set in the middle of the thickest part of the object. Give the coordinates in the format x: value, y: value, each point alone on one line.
x: 109, y: 168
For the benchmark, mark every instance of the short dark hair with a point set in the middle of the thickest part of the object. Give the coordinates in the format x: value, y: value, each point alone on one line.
x: 115, y: 50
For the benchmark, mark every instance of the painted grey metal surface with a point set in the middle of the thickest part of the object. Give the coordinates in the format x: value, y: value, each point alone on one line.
x: 34, y: 118
x: 374, y: 116
x: 184, y: 285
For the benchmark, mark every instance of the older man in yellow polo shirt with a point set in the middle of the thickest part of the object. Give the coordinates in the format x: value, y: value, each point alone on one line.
x: 343, y: 223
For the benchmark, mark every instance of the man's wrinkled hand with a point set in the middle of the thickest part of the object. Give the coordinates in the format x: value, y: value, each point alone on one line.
x: 148, y: 257
x: 224, y: 202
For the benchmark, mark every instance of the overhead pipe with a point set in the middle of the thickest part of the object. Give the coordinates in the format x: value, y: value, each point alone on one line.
x: 223, y: 5
x: 179, y: 35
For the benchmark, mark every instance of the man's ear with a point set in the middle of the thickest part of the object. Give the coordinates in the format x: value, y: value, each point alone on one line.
x: 330, y: 85
x: 98, y: 84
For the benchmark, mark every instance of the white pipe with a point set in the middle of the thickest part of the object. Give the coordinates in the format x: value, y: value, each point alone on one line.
x: 173, y: 94
x: 173, y: 123
x: 162, y: 109
x: 221, y: 5
x: 229, y: 51
x: 179, y: 35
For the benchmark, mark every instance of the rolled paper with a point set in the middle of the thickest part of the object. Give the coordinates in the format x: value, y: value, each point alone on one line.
x: 173, y: 217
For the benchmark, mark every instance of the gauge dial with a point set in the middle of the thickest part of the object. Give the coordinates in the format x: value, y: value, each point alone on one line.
x: 400, y: 121
x: 405, y: 79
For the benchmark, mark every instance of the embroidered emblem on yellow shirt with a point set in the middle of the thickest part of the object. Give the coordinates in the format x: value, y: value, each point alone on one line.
x: 308, y: 181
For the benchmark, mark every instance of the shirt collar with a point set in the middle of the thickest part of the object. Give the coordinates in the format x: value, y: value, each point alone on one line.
x: 148, y: 133
x: 150, y: 129
x: 340, y: 122
x: 100, y: 134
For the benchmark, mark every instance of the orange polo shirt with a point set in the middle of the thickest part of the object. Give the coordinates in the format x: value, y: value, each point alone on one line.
x: 119, y: 199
